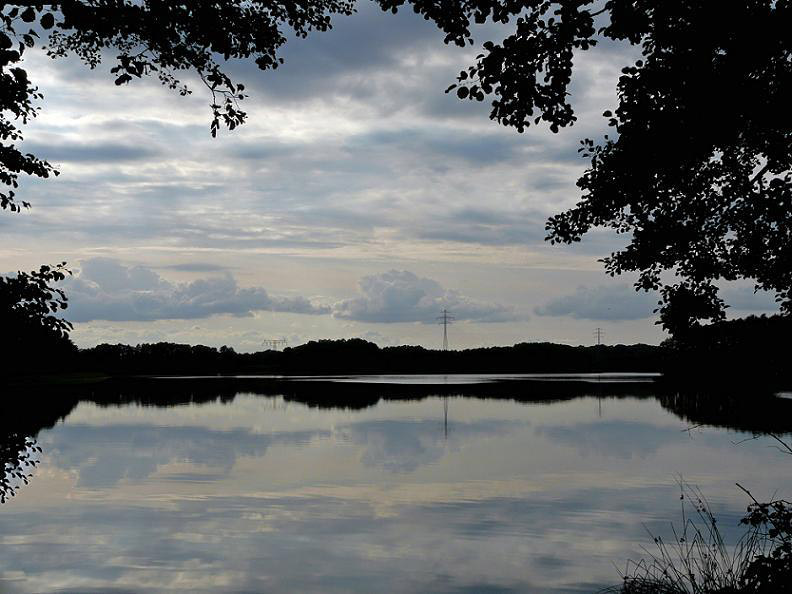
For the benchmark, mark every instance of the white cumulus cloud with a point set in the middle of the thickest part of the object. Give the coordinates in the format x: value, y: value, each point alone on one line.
x: 105, y: 289
x: 401, y: 296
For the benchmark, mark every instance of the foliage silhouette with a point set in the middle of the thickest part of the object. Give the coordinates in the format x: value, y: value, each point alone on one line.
x: 699, y: 166
x: 36, y: 338
x: 758, y: 346
x: 22, y: 416
x: 17, y: 457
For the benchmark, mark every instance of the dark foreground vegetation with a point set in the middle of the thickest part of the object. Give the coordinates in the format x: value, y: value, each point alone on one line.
x: 698, y: 561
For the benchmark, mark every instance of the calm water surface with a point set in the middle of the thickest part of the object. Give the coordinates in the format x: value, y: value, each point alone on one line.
x: 257, y: 493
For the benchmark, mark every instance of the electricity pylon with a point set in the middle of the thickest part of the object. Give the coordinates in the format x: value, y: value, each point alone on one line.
x: 599, y: 333
x: 445, y: 320
x: 275, y: 343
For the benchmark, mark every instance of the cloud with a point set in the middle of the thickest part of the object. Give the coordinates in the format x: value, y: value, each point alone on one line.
x: 352, y: 153
x: 105, y: 289
x: 404, y: 446
x: 622, y: 302
x: 467, y: 147
x: 138, y: 451
x: 401, y: 296
x: 747, y: 300
x: 355, y: 58
x: 483, y: 226
x: 94, y: 152
x: 196, y: 267
x: 605, y: 302
x: 612, y: 439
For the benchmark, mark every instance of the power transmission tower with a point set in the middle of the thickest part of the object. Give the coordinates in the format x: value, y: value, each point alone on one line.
x: 275, y: 343
x: 599, y: 333
x: 445, y: 320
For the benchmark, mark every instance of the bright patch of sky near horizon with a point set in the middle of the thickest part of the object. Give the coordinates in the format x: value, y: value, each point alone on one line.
x: 358, y: 201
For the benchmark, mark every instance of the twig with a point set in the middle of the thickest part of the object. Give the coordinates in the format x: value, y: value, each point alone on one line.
x: 688, y: 430
x: 785, y: 447
x: 747, y: 492
x: 762, y: 171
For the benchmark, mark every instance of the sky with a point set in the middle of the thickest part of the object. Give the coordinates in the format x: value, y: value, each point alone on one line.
x: 359, y: 200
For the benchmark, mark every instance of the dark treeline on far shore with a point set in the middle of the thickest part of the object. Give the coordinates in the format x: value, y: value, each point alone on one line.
x: 753, y: 348
x: 360, y: 356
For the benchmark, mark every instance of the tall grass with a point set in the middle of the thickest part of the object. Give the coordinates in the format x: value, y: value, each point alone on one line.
x: 697, y: 560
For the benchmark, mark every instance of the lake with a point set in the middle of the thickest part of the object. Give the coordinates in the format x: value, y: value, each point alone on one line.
x: 432, y: 484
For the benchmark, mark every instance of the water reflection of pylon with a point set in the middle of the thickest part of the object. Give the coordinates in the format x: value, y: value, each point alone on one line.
x: 445, y: 417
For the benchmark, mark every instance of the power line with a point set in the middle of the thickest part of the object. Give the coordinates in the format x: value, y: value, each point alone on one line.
x: 445, y: 320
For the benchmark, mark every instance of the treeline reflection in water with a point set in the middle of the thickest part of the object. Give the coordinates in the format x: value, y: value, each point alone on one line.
x: 26, y: 412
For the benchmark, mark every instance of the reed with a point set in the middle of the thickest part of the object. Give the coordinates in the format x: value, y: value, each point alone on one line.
x: 697, y: 560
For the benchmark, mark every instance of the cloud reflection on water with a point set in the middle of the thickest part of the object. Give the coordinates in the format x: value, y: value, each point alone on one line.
x: 213, y: 498
x: 103, y: 456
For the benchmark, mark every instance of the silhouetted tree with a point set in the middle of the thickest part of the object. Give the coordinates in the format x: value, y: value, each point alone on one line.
x: 34, y: 336
x: 757, y: 346
x: 698, y: 169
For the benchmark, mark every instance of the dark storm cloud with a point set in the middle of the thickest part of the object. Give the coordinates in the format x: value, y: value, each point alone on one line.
x: 105, y: 289
x: 401, y: 296
x: 605, y: 302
